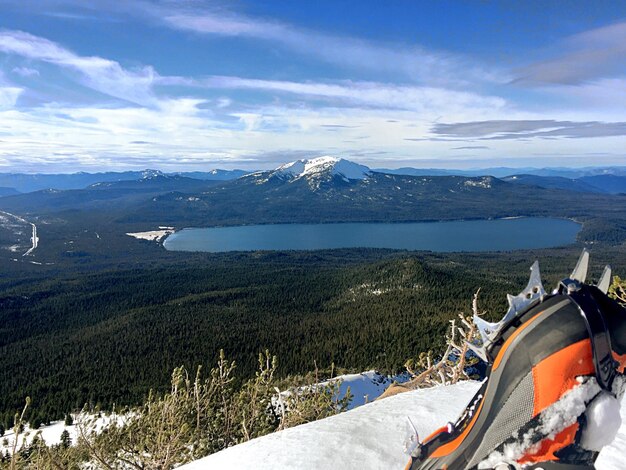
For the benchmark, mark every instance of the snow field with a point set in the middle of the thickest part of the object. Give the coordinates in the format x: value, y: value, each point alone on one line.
x: 371, y: 437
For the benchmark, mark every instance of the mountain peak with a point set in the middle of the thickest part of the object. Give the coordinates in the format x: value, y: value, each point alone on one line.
x: 321, y: 165
x: 149, y: 174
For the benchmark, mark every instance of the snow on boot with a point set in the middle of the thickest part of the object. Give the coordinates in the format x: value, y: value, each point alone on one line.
x: 556, y: 367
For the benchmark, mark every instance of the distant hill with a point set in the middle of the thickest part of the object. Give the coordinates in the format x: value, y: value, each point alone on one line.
x: 108, y: 196
x: 156, y: 182
x: 614, y: 184
x: 215, y: 175
x: 408, y: 171
x: 34, y: 182
x: 554, y: 182
x: 502, y: 172
x: 8, y: 191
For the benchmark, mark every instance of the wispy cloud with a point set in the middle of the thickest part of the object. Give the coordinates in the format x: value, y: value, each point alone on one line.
x: 525, y: 129
x: 26, y: 71
x: 593, y: 54
x: 384, y: 95
x: 9, y: 96
x: 411, y: 61
x: 471, y: 147
x: 102, y: 75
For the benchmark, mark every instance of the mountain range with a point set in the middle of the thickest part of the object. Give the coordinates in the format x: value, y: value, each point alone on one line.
x: 330, y: 189
x: 24, y: 183
x: 598, y: 179
x: 320, y: 190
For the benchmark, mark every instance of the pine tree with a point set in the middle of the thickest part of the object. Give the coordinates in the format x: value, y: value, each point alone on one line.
x: 66, y: 440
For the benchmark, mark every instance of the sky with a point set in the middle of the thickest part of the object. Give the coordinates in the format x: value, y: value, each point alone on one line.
x: 187, y: 85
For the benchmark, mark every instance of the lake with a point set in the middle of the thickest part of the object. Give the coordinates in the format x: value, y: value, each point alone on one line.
x: 465, y: 235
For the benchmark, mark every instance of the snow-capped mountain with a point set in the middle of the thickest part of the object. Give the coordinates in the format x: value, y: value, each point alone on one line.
x: 320, y: 166
x: 149, y: 174
x: 315, y: 171
x: 368, y: 437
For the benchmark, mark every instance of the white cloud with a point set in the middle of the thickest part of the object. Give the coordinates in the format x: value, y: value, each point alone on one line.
x: 593, y: 54
x: 181, y: 134
x: 507, y: 129
x: 383, y: 95
x: 25, y: 71
x: 9, y: 96
x: 224, y: 102
x: 414, y: 62
x: 103, y: 75
x: 607, y: 95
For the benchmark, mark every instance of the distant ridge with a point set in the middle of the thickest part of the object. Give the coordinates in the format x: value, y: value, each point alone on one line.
x: 502, y: 172
x: 8, y: 191
x: 554, y: 182
x: 26, y: 183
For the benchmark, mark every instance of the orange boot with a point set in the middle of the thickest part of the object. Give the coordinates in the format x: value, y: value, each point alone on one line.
x: 552, y: 359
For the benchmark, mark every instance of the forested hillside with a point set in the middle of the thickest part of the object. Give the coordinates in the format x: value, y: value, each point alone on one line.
x: 107, y: 337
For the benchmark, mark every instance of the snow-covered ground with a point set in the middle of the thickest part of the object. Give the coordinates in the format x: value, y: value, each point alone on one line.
x: 153, y: 235
x: 366, y: 386
x: 368, y: 437
x: 34, y: 239
x: 52, y: 434
x: 17, y: 226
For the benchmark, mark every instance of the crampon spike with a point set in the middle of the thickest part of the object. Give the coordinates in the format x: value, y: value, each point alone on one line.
x: 412, y: 445
x: 605, y: 279
x: 478, y: 350
x: 580, y: 271
x: 487, y: 330
x: 534, y: 290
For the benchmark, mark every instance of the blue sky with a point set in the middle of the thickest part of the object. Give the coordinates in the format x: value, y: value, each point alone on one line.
x: 195, y: 85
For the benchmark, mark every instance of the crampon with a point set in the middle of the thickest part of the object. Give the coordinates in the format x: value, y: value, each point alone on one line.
x: 555, y: 362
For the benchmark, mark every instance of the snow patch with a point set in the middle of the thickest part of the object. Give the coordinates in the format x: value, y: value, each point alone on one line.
x: 51, y: 434
x: 154, y: 235
x: 484, y: 182
x: 315, y: 166
x: 366, y: 386
x: 603, y: 422
x: 372, y: 436
x: 368, y: 437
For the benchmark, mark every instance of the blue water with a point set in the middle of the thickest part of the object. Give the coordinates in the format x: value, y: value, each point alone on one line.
x: 470, y: 235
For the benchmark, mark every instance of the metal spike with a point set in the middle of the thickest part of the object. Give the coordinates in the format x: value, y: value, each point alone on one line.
x: 605, y: 279
x: 417, y: 436
x: 534, y: 290
x: 580, y: 271
x: 478, y: 350
x: 487, y: 330
x: 412, y: 445
x: 535, y: 286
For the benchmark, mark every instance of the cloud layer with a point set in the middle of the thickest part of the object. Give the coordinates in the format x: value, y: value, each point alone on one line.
x: 102, y: 75
x: 527, y: 129
x: 590, y: 55
x: 382, y: 103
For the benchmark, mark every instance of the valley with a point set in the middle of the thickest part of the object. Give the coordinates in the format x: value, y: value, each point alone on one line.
x: 104, y: 299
